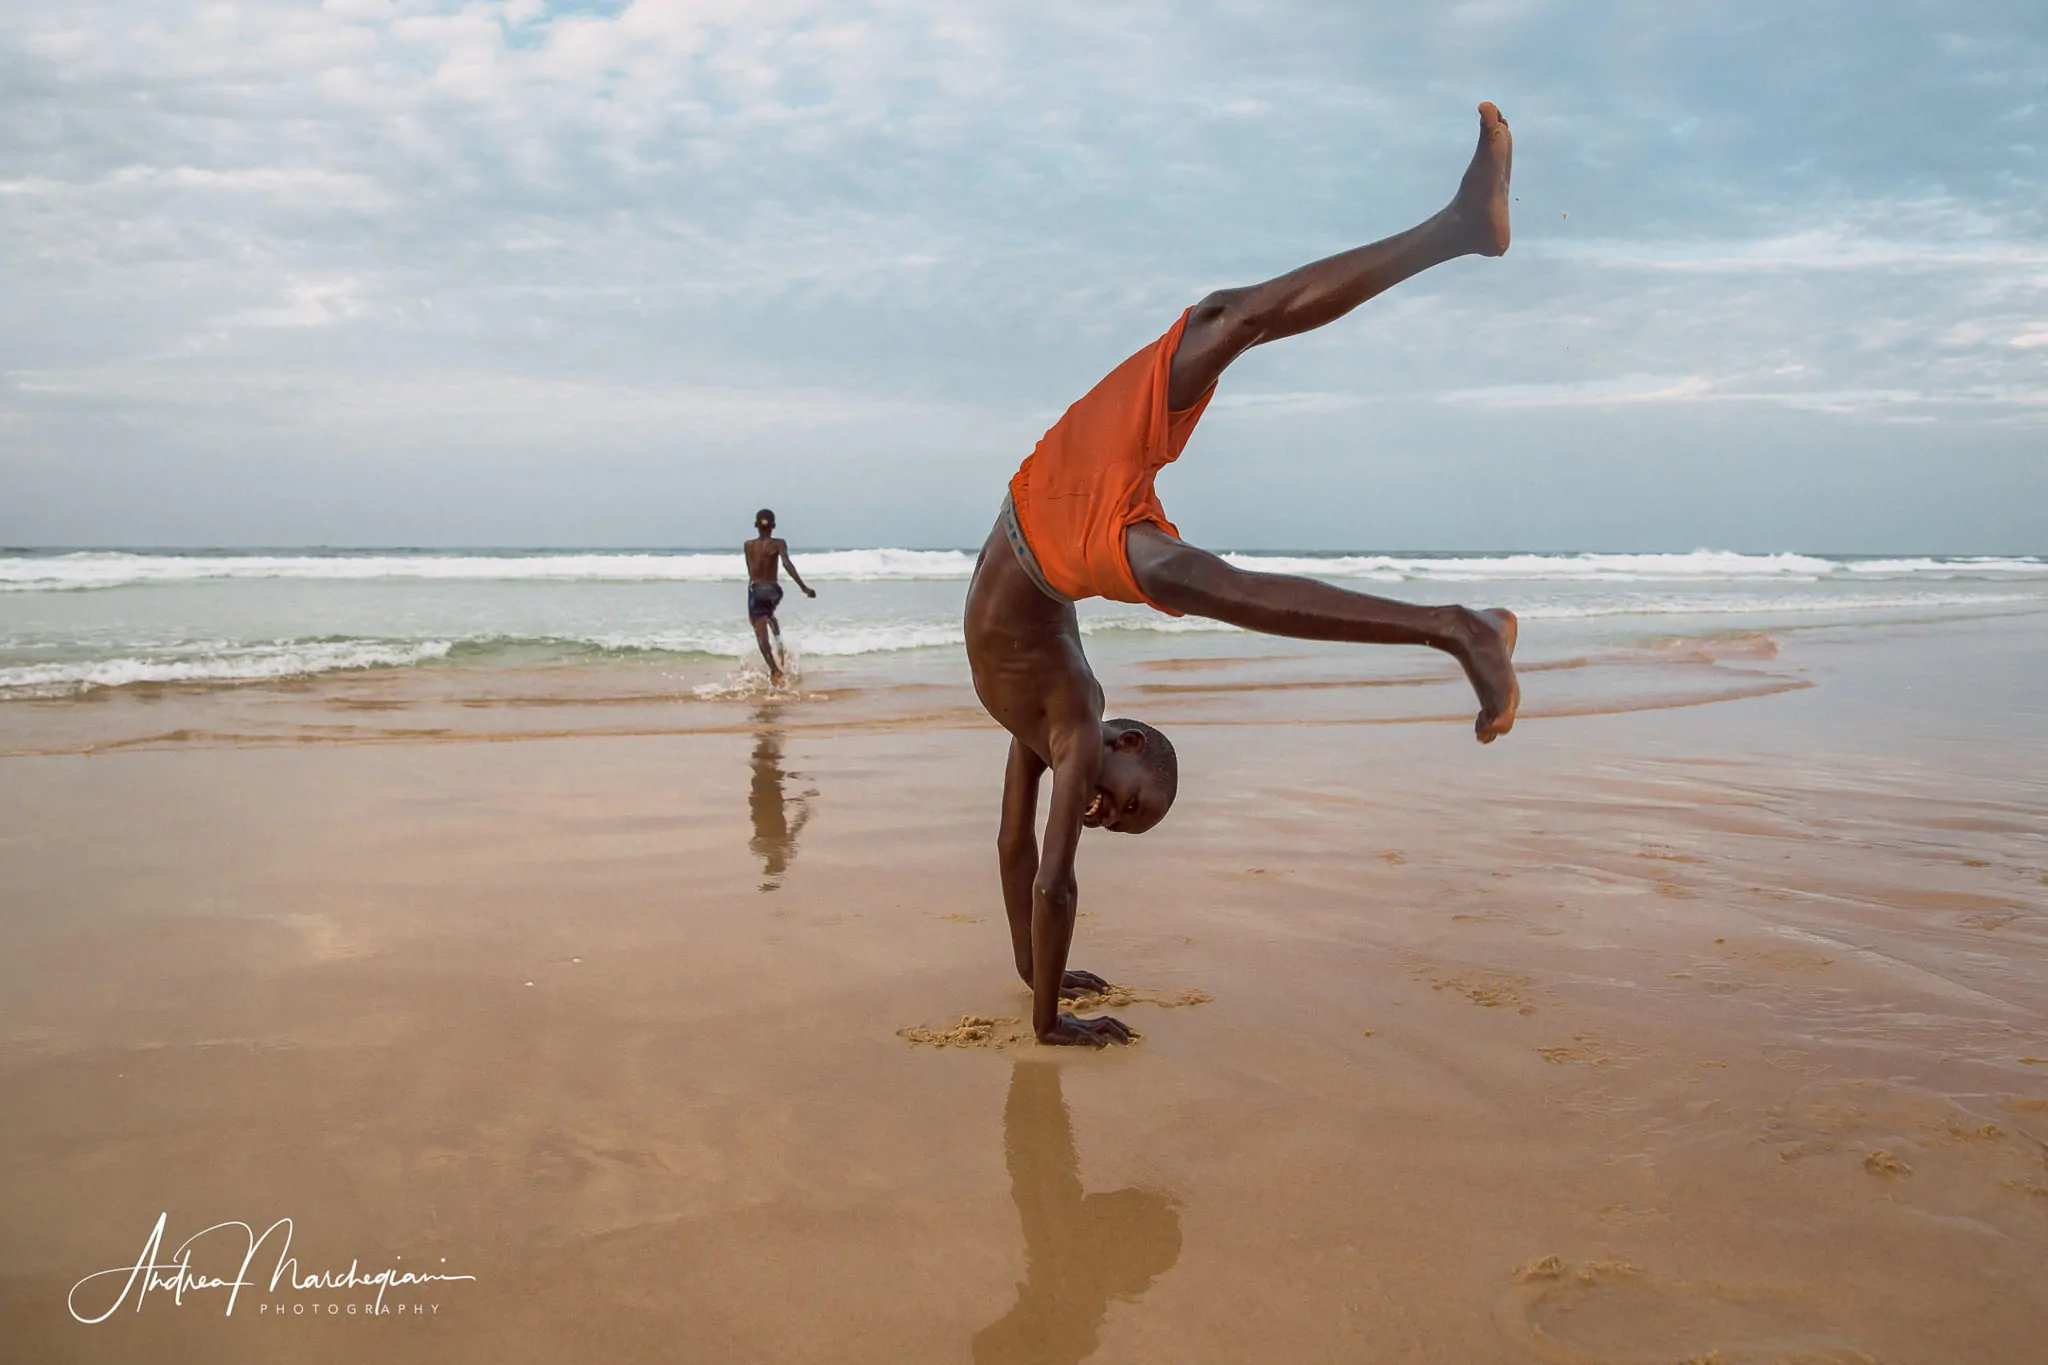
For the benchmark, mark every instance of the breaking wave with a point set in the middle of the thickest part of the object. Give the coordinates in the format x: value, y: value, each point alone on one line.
x: 102, y: 569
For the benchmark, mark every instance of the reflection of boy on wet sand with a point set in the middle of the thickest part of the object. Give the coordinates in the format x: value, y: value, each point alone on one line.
x: 1082, y: 521
x: 775, y: 834
x: 764, y: 594
x: 1080, y: 1250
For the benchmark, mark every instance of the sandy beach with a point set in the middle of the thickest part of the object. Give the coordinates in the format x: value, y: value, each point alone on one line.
x: 1702, y: 1019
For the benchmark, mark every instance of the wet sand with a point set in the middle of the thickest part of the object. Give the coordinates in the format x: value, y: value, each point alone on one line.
x: 1688, y: 1020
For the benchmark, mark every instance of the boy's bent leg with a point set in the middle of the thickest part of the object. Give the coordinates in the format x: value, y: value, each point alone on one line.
x: 767, y: 654
x: 1228, y: 323
x: 1187, y: 578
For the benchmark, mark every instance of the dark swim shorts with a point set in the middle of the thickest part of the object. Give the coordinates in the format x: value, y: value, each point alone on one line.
x: 762, y: 600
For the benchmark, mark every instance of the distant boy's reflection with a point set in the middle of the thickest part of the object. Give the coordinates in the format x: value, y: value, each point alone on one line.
x: 1080, y: 1250
x: 775, y: 833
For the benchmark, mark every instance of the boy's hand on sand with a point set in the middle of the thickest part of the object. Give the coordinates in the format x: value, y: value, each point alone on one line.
x: 1072, y: 1031
x: 1082, y: 983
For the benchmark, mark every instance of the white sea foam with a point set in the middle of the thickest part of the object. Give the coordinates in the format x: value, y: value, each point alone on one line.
x: 223, y: 664
x: 1154, y: 623
x: 1639, y: 604
x: 836, y: 641
x: 1836, y: 604
x: 1699, y: 565
x: 117, y: 569
x: 1978, y: 567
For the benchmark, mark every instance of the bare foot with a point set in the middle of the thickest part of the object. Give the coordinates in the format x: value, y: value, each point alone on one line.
x: 1481, y: 206
x: 1489, y: 663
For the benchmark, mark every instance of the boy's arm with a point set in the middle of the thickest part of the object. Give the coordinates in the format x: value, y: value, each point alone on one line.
x: 1017, y: 854
x: 1017, y: 848
x: 1055, y: 899
x: 783, y: 545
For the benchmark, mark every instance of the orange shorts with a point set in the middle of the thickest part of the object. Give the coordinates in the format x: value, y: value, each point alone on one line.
x: 1090, y: 478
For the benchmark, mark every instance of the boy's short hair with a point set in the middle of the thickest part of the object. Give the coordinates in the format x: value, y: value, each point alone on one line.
x: 1160, y: 762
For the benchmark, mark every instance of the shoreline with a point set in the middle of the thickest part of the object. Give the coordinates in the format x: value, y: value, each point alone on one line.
x: 80, y: 627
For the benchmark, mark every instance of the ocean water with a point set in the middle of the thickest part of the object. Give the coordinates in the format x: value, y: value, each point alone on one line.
x: 76, y: 623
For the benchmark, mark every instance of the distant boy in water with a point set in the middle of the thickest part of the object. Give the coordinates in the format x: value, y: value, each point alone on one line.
x: 764, y: 594
x: 1082, y: 521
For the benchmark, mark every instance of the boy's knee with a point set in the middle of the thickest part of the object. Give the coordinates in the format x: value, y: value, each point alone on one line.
x: 1230, y: 315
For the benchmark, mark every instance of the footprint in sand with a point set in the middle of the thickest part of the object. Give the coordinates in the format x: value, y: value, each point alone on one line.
x: 1613, y: 1313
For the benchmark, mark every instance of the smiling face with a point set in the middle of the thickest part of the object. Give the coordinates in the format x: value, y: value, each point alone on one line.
x: 1139, y: 778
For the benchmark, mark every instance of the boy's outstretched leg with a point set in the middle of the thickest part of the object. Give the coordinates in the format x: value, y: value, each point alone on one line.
x: 1225, y: 325
x: 1189, y: 579
x: 1230, y: 322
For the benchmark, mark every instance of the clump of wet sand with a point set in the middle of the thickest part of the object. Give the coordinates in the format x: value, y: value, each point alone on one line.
x: 973, y: 1030
x: 1583, y: 1047
x: 1489, y: 991
x: 1116, y: 997
x: 990, y: 1031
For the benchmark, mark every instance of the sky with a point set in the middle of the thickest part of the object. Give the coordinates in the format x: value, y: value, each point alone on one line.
x: 515, y: 273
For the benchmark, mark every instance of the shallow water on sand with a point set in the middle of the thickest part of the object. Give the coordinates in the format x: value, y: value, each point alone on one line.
x: 1654, y: 1032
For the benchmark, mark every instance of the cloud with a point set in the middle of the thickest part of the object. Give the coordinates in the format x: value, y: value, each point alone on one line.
x: 230, y: 227
x: 1285, y: 404
x: 1833, y: 248
x: 1627, y: 389
x: 310, y: 305
x: 1634, y: 389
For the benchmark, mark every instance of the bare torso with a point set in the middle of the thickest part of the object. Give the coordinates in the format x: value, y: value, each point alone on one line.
x: 1024, y: 650
x: 764, y: 554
